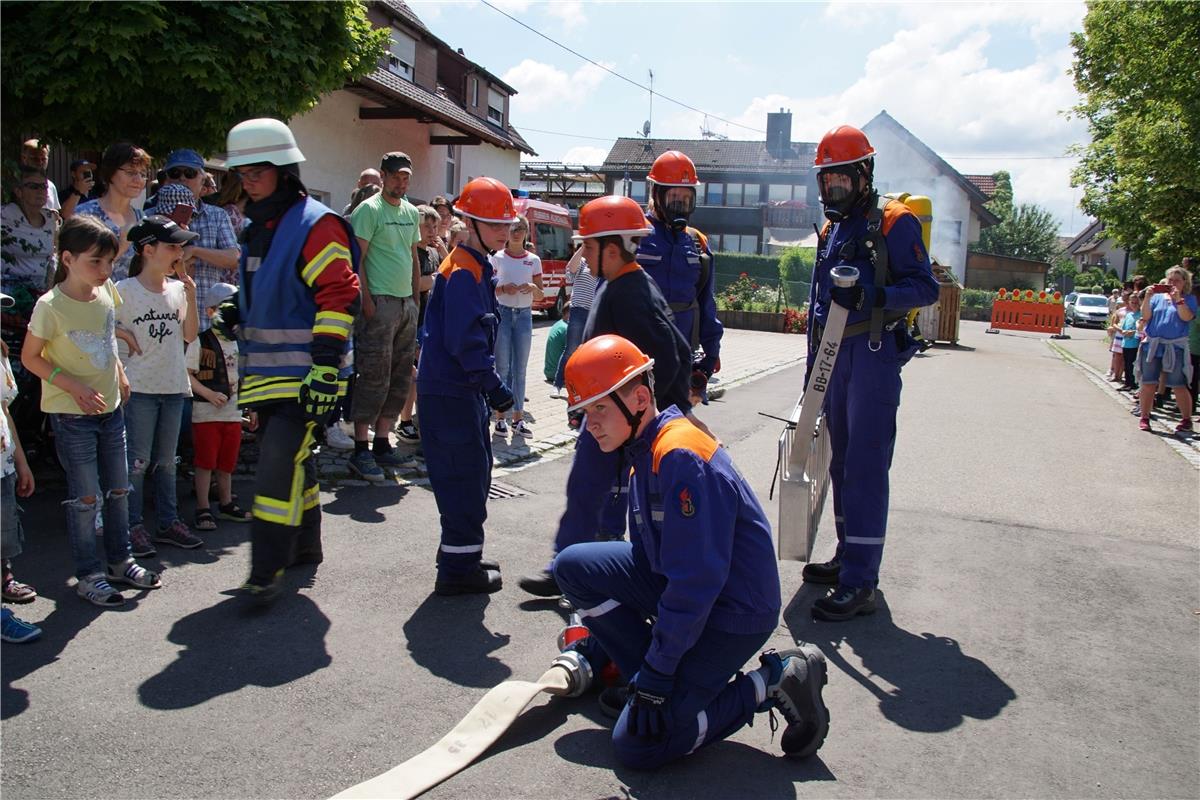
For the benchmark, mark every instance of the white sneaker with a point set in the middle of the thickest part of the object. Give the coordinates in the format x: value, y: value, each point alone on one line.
x: 521, y: 429
x: 336, y: 438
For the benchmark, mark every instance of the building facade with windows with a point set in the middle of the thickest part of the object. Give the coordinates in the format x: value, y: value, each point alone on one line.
x: 425, y: 98
x: 754, y: 196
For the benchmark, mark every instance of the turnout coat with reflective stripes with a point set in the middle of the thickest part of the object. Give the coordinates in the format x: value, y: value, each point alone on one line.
x: 279, y: 310
x: 702, y: 529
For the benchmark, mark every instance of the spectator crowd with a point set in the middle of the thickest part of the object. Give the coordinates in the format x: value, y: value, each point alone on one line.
x: 111, y: 286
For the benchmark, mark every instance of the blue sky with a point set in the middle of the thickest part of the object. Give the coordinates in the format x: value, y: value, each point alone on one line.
x: 983, y: 84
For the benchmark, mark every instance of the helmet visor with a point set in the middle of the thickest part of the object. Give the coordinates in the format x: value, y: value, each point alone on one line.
x: 837, y: 184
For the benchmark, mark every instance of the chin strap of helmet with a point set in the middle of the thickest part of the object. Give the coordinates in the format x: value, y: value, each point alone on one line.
x: 634, y: 420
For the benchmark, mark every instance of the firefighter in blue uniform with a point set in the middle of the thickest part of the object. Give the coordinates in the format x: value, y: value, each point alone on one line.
x: 457, y: 383
x: 677, y: 257
x: 292, y: 315
x: 629, y: 303
x: 882, y: 238
x: 700, y: 563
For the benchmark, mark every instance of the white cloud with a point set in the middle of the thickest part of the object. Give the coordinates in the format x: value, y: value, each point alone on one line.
x: 541, y: 86
x: 585, y: 154
x: 569, y: 13
x: 935, y: 78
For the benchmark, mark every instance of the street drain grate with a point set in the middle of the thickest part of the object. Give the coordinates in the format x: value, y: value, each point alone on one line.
x: 501, y: 491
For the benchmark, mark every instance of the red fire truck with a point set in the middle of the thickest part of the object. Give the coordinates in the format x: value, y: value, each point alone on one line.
x: 550, y: 234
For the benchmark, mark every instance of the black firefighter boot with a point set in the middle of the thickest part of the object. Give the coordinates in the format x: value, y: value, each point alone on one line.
x: 826, y: 572
x: 308, y: 543
x: 846, y: 602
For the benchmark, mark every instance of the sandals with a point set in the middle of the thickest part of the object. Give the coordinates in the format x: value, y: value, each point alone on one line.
x: 204, y: 520
x: 232, y: 512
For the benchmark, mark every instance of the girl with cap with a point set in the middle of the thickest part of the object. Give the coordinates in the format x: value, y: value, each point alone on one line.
x: 157, y: 318
x: 71, y: 346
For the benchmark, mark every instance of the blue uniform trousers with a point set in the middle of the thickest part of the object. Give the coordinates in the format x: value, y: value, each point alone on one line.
x: 458, y: 456
x: 614, y: 590
x: 597, y: 495
x: 860, y: 410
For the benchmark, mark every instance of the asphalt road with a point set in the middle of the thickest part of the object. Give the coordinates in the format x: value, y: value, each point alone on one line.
x: 1038, y: 634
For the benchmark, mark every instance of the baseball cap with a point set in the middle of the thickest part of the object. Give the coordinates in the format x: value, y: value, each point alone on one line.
x: 81, y: 162
x: 396, y: 162
x: 218, y: 293
x: 184, y: 158
x: 157, y: 228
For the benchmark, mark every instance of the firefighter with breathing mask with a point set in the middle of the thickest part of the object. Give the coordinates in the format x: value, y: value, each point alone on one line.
x: 882, y: 239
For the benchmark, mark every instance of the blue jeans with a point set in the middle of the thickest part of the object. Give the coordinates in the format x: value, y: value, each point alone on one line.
x: 152, y: 424
x: 91, y: 449
x: 575, y: 326
x: 512, y: 351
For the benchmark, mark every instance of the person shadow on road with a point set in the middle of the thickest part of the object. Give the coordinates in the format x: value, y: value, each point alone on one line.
x: 937, y: 685
x: 448, y: 637
x: 226, y: 649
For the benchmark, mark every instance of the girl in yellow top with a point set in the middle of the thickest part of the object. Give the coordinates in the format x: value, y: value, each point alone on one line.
x: 72, y: 346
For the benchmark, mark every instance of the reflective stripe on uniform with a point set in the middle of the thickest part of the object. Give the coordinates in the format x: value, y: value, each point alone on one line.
x: 702, y: 730
x: 600, y: 610
x: 258, y: 389
x: 657, y: 514
x: 253, y: 263
x: 333, y: 323
x: 285, y: 358
x: 289, y: 511
x: 277, y: 335
x: 864, y: 540
x: 330, y: 253
x: 461, y: 548
x: 312, y: 497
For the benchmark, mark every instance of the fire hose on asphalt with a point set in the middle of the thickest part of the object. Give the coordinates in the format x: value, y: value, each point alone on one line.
x: 569, y: 675
x: 804, y: 450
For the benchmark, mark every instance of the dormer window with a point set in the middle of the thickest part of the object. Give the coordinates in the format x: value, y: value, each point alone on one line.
x: 496, y: 107
x: 402, y: 55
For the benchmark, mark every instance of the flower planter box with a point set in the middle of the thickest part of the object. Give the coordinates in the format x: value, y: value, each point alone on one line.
x: 752, y: 320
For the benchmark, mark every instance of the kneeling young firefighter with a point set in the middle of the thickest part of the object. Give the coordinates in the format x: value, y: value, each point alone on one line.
x: 882, y: 239
x: 700, y: 563
x: 293, y: 316
x: 630, y: 304
x: 456, y: 385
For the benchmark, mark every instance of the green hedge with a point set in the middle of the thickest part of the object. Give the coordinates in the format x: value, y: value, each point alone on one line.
x: 978, y: 298
x: 763, y: 269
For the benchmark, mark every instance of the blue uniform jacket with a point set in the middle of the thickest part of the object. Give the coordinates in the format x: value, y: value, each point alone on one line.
x: 458, y: 343
x: 700, y: 526
x: 673, y: 261
x: 912, y: 283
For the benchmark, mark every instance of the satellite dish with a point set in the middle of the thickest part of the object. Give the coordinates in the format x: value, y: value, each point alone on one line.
x: 646, y: 128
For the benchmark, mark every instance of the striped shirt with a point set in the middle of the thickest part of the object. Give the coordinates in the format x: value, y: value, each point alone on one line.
x: 583, y: 287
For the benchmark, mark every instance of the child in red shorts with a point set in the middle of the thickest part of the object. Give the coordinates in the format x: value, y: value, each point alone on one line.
x: 212, y: 364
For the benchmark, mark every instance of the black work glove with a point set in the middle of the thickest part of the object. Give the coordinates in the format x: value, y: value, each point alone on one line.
x: 858, y: 297
x: 649, y: 712
x: 499, y: 398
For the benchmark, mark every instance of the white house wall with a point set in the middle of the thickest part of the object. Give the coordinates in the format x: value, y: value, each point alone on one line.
x: 338, y: 146
x: 900, y: 168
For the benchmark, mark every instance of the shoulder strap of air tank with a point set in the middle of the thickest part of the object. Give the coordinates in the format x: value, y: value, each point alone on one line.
x: 879, y: 258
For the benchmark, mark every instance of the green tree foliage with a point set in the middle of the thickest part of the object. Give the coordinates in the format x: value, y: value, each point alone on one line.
x: 1097, y: 281
x: 167, y: 75
x: 1025, y: 231
x: 1135, y: 65
x: 795, y: 273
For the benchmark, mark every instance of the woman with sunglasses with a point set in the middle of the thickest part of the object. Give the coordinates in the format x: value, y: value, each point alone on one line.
x: 123, y: 171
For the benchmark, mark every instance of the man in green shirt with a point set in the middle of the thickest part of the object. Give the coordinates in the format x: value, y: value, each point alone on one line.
x: 385, y: 333
x: 556, y: 342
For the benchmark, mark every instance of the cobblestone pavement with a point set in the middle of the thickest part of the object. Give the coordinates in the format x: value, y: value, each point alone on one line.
x: 745, y: 356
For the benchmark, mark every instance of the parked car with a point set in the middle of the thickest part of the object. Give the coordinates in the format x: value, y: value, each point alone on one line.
x: 550, y: 237
x: 1089, y: 309
x: 1069, y: 304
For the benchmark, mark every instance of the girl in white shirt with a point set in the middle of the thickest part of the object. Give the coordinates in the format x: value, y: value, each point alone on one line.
x: 155, y: 320
x: 518, y: 284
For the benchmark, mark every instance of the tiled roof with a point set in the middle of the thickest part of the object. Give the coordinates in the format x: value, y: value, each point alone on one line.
x: 709, y: 155
x: 393, y: 87
x: 404, y: 12
x: 984, y: 183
